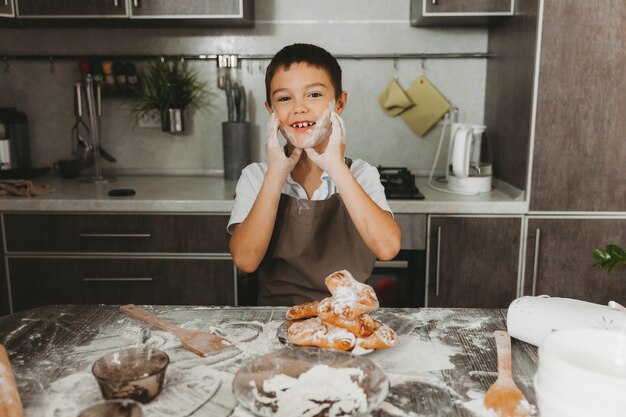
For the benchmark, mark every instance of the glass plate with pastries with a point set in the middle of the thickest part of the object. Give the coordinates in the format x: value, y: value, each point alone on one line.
x: 341, y: 321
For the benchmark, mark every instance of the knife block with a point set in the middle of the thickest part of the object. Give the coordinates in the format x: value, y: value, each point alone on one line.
x: 236, y: 148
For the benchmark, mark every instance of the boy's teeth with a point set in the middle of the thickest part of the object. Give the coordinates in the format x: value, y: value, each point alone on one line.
x: 305, y: 124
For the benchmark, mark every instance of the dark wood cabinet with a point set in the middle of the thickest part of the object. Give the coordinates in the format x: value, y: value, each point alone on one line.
x: 130, y: 13
x: 579, y: 153
x: 45, y: 281
x: 473, y: 261
x: 559, y: 261
x: 6, y: 8
x: 459, y: 12
x: 71, y: 8
x: 188, y: 8
x: 112, y: 233
x: 55, y: 258
x: 5, y: 304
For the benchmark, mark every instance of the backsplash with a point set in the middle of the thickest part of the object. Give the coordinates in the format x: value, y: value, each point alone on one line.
x: 44, y: 91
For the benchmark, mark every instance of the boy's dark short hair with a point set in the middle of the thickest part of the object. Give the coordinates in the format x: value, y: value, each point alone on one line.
x: 310, y: 54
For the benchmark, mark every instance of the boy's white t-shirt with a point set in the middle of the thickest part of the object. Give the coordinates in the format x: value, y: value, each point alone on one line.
x: 252, y: 176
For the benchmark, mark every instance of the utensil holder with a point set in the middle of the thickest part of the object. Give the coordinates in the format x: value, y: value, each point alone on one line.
x: 236, y: 146
x: 173, y: 121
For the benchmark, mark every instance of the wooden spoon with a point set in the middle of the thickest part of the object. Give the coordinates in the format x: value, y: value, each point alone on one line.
x: 200, y: 343
x: 504, y: 397
x: 10, y: 403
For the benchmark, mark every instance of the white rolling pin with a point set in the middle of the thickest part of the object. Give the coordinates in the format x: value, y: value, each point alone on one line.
x: 10, y: 403
x: 531, y: 319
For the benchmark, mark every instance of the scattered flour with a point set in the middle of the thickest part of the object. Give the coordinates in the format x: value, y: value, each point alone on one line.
x: 414, y: 359
x: 187, y: 387
x: 333, y: 391
x: 394, y: 411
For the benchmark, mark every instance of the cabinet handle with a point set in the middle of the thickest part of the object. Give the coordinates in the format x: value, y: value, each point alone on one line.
x: 117, y: 279
x: 438, y: 259
x: 136, y: 4
x: 116, y: 3
x: 115, y: 235
x: 434, y: 2
x: 6, y: 3
x: 392, y: 264
x: 536, y: 260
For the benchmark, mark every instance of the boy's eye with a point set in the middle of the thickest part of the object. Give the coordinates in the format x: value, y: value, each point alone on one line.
x: 315, y: 95
x: 283, y: 98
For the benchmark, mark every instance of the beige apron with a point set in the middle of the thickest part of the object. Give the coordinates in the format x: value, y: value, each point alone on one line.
x: 311, y: 240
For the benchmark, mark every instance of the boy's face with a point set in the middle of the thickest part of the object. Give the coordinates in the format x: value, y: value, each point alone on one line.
x: 300, y: 95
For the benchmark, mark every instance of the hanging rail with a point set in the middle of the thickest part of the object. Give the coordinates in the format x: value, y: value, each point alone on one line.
x: 208, y: 57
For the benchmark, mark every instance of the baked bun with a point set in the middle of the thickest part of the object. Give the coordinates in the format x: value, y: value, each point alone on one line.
x: 340, y: 321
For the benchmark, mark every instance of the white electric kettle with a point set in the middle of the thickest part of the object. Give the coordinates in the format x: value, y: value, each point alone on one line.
x: 466, y: 173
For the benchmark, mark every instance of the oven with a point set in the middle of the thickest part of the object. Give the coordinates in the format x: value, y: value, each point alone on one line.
x: 401, y: 282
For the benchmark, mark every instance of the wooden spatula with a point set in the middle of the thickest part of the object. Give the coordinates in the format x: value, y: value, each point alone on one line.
x: 504, y: 397
x: 200, y: 343
x: 10, y: 403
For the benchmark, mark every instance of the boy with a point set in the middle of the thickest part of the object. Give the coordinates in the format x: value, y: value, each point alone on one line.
x: 309, y: 211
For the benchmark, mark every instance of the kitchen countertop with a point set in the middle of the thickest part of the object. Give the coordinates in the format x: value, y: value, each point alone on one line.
x: 443, y: 364
x: 206, y: 194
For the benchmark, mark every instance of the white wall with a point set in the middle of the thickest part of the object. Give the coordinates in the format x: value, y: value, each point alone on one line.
x: 346, y: 27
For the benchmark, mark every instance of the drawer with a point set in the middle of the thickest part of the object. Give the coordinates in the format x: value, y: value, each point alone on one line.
x: 47, y: 281
x: 105, y: 233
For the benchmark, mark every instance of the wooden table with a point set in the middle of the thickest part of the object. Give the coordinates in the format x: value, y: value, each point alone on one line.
x: 443, y: 365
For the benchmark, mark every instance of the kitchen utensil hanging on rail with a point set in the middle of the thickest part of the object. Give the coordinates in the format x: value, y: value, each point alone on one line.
x: 235, y: 101
x: 87, y: 153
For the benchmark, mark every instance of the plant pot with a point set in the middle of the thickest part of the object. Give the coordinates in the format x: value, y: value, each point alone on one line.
x: 173, y: 121
x: 236, y: 146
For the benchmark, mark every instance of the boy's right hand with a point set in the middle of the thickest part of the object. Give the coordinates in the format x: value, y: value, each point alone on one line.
x: 277, y: 162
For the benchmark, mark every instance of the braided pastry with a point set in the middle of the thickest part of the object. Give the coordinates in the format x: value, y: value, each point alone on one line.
x: 362, y: 326
x: 303, y: 311
x: 382, y: 338
x: 350, y: 298
x: 314, y: 332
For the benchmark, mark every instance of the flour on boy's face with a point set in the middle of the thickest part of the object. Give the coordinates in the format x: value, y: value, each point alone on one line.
x: 300, y: 96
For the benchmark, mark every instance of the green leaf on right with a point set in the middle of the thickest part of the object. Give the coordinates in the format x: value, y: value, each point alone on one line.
x: 611, y: 258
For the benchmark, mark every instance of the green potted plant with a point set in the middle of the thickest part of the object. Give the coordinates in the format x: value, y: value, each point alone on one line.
x: 610, y: 259
x: 169, y: 88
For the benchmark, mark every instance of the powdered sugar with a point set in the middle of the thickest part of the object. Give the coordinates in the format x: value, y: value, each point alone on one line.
x: 334, y: 391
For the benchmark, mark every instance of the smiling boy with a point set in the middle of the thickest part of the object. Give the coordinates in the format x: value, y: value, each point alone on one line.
x: 308, y: 211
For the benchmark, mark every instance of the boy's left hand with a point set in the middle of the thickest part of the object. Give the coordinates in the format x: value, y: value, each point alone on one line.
x: 331, y: 160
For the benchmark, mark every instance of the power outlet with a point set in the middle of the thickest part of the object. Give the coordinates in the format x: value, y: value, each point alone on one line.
x: 150, y: 120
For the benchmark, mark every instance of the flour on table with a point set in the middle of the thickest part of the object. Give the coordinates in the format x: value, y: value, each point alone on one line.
x: 414, y: 359
x: 321, y: 389
x: 188, y: 386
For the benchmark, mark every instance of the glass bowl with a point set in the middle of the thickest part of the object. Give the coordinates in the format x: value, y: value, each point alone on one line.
x: 113, y: 408
x: 135, y: 373
x: 289, y: 382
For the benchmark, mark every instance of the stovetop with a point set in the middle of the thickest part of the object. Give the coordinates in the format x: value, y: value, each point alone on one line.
x: 399, y: 183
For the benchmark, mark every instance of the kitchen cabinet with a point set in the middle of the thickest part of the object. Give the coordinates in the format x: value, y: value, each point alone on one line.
x: 133, y: 13
x: 473, y: 261
x: 55, y: 9
x: 559, y: 261
x: 118, y: 258
x: 5, y: 306
x: 459, y: 12
x: 39, y: 281
x: 6, y: 8
x: 189, y: 8
x: 579, y: 153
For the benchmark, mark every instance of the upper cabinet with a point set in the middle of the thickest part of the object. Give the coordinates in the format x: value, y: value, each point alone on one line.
x: 159, y: 9
x: 131, y: 13
x: 459, y: 12
x: 579, y: 153
x: 47, y: 9
x: 6, y: 8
